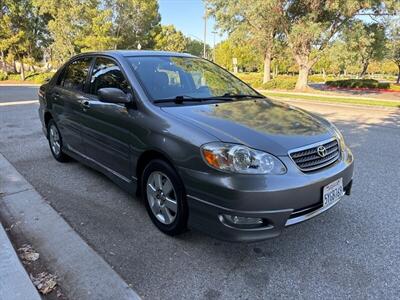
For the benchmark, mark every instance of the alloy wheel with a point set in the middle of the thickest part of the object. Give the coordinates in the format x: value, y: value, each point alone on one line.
x: 162, y: 197
x: 55, y: 141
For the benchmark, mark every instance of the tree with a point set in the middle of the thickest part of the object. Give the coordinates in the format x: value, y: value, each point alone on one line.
x: 394, y: 45
x: 77, y: 25
x: 9, y: 38
x: 67, y: 20
x: 248, y: 58
x: 170, y: 39
x: 334, y: 59
x: 96, y: 34
x: 310, y: 26
x: 196, y: 47
x: 22, y: 31
x: 259, y: 19
x: 135, y: 22
x: 366, y: 41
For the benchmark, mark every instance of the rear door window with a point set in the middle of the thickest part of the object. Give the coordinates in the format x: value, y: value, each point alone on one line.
x: 74, y: 77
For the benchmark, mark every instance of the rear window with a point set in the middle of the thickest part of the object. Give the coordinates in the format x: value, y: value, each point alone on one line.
x: 75, y: 74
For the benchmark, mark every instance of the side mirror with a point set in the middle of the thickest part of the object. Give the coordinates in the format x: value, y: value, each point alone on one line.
x: 113, y: 95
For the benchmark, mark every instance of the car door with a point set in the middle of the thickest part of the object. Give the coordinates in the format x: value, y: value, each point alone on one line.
x: 68, y: 96
x: 106, y: 134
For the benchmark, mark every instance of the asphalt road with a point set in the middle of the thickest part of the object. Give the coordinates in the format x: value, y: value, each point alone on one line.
x: 351, y: 251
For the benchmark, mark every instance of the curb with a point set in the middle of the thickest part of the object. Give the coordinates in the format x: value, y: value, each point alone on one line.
x: 14, y: 281
x: 82, y: 272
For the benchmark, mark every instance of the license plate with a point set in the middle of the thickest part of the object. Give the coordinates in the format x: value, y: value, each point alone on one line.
x: 333, y: 192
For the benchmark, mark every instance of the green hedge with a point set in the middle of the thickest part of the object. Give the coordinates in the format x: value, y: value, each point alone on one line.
x: 30, y: 77
x: 316, y: 78
x: 41, y: 78
x: 359, y: 83
x: 14, y: 77
x: 253, y: 79
x: 395, y: 87
x: 281, y: 83
x: 3, y: 75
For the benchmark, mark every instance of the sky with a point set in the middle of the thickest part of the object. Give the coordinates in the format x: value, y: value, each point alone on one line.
x: 187, y: 16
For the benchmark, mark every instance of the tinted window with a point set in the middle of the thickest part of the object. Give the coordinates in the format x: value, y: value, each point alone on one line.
x: 168, y: 77
x: 106, y: 74
x: 76, y: 73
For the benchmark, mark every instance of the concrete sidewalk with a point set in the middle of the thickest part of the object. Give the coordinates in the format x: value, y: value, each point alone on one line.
x: 82, y: 273
x: 15, y: 283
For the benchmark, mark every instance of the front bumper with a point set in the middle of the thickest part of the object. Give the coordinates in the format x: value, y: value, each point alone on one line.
x: 280, y: 200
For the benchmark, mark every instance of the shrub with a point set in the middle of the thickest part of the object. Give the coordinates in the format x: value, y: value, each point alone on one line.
x: 359, y: 83
x: 281, y: 82
x: 3, y: 75
x: 319, y: 78
x: 32, y: 77
x: 395, y: 87
x: 41, y: 78
x: 14, y: 77
x: 253, y: 79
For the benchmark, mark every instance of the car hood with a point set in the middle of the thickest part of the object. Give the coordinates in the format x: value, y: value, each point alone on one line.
x: 261, y: 124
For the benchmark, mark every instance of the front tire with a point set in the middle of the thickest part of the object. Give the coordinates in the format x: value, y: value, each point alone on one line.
x: 55, y: 142
x: 165, y: 197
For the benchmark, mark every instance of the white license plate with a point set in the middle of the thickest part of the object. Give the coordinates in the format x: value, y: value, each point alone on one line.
x: 333, y: 192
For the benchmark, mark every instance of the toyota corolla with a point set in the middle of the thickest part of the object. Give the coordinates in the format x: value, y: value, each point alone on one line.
x: 202, y: 148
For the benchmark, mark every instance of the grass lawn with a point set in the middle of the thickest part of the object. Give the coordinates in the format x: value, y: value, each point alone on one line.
x: 371, y: 102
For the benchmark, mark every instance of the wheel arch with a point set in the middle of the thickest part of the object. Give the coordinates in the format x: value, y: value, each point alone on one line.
x: 47, y: 117
x: 143, y: 161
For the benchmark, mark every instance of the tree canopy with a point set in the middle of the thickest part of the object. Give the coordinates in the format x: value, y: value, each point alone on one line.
x: 308, y: 27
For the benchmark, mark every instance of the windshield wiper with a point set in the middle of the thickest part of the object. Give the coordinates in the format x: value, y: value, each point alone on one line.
x: 240, y: 96
x: 178, y: 99
x: 226, y: 97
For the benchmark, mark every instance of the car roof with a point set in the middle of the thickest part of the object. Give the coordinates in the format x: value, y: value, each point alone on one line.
x: 130, y: 53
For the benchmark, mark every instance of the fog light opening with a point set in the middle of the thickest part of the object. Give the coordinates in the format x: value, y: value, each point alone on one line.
x: 243, y: 222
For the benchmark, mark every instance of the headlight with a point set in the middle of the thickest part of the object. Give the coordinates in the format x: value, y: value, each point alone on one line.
x: 241, y: 159
x: 339, y: 137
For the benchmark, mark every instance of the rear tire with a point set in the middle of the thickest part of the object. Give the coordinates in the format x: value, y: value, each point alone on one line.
x: 165, y: 197
x: 55, y: 142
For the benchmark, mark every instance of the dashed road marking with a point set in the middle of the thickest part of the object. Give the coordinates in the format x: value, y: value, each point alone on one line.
x: 19, y: 102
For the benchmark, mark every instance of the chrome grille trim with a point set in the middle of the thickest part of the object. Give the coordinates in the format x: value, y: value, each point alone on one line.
x: 307, y: 159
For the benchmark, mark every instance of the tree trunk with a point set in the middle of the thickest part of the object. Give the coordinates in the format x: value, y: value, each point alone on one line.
x: 22, y: 71
x: 3, y: 61
x: 302, y: 80
x: 398, y: 75
x: 364, y: 69
x: 267, y: 66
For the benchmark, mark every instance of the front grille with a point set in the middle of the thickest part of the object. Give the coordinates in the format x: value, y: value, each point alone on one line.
x: 308, y: 159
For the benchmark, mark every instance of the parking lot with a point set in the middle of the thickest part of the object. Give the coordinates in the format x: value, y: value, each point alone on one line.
x: 351, y: 251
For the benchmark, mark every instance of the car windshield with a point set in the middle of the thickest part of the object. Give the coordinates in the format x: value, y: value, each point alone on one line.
x: 169, y: 77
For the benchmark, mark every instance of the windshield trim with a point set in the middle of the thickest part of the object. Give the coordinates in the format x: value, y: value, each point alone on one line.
x: 186, y: 56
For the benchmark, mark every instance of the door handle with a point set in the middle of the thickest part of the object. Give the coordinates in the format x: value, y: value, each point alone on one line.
x: 85, y: 104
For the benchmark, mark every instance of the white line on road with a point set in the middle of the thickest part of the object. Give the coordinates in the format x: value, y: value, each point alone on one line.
x: 19, y: 102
